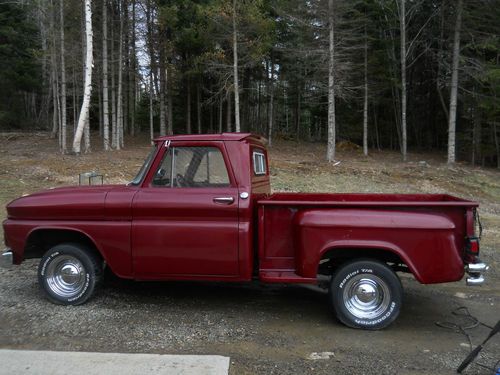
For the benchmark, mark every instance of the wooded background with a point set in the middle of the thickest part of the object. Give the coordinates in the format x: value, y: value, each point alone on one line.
x: 385, y: 74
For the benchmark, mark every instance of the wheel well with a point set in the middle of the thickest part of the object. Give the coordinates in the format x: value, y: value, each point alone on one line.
x: 333, y: 258
x: 39, y: 241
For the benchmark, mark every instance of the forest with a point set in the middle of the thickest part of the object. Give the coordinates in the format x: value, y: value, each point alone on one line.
x: 405, y: 75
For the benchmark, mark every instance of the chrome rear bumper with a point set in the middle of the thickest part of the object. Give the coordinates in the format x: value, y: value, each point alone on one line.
x: 475, y: 272
x: 7, y: 259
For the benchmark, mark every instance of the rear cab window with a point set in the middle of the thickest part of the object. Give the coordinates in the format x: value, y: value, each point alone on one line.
x: 259, y: 162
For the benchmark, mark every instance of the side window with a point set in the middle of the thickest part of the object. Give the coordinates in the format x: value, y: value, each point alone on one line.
x: 259, y: 163
x: 192, y: 167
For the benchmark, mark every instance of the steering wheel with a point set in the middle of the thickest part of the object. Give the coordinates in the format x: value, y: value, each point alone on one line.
x: 180, y: 180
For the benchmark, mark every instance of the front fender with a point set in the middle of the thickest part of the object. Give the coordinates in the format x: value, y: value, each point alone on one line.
x: 110, y: 238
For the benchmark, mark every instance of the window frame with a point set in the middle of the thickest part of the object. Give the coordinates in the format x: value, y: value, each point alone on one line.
x: 185, y: 144
x: 262, y: 155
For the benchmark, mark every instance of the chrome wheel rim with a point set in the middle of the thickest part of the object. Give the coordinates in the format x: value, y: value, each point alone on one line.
x: 65, y: 276
x: 366, y: 296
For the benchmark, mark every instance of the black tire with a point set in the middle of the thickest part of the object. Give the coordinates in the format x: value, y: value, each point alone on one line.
x: 69, y: 273
x: 366, y: 294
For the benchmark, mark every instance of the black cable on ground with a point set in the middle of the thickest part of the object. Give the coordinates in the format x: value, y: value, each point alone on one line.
x: 470, y: 322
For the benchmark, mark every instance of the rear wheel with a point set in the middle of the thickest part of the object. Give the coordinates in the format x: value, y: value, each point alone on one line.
x: 69, y: 274
x: 366, y: 294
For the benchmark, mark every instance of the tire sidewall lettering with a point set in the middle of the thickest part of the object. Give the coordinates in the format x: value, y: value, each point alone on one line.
x: 86, y: 286
x: 387, y: 314
x: 49, y: 259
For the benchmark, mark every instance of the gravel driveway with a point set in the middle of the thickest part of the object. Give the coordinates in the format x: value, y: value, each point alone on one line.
x: 264, y: 329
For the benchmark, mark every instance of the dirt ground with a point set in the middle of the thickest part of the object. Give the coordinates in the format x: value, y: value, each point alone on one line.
x: 264, y: 329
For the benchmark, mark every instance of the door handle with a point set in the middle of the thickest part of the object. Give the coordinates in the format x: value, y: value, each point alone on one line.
x: 224, y: 200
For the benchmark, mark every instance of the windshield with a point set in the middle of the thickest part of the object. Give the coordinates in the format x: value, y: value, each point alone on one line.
x: 145, y: 167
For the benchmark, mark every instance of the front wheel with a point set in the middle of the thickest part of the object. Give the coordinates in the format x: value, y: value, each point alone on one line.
x: 69, y: 273
x: 366, y: 294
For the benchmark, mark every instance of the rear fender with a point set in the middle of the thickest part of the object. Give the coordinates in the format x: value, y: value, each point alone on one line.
x: 370, y: 245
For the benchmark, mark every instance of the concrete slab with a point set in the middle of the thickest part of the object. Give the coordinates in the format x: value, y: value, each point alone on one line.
x: 76, y: 363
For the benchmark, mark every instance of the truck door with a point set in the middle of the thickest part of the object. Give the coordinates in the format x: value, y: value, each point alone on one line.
x: 185, y: 218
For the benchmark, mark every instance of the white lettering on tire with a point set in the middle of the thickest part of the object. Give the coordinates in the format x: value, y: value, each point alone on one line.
x: 351, y: 274
x: 87, y: 282
x: 379, y: 320
x: 49, y: 258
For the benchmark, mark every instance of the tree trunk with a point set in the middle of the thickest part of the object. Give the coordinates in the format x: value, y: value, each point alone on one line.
x: 149, y: 19
x: 151, y: 113
x: 402, y: 25
x: 330, y: 152
x: 74, y: 102
x: 235, y: 69
x: 105, y: 100
x: 229, y: 113
x: 271, y: 107
x: 298, y: 112
x: 163, y: 115
x: 476, y: 131
x: 63, y: 81
x: 99, y: 100
x: 440, y: 63
x: 54, y: 80
x: 454, y: 85
x: 170, y: 117
x: 221, y: 101
x: 84, y: 112
x: 198, y: 106
x: 188, y: 107
x: 125, y: 70
x: 497, y: 143
x: 119, y: 98
x: 133, y: 75
x: 114, y: 121
x: 86, y: 136
x: 365, y: 102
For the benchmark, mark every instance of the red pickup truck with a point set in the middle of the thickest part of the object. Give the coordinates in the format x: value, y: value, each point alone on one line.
x: 201, y: 208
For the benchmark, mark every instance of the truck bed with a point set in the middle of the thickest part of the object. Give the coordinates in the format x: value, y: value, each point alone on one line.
x: 425, y: 231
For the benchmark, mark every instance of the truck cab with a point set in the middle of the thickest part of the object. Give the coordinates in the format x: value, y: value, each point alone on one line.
x: 193, y: 211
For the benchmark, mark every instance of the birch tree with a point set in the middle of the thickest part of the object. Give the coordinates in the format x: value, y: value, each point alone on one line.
x: 84, y: 112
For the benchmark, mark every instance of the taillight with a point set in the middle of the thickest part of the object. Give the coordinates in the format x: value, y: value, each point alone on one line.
x: 473, y: 246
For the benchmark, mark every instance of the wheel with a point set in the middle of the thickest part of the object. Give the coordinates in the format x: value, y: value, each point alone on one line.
x: 69, y: 274
x: 366, y: 294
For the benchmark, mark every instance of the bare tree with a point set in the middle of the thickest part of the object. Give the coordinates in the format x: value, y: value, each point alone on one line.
x: 365, y: 102
x: 119, y: 98
x: 330, y: 152
x: 198, y: 107
x: 84, y: 112
x: 63, y: 80
x: 270, y: 124
x: 105, y: 100
x: 402, y: 26
x: 235, y: 69
x: 454, y: 84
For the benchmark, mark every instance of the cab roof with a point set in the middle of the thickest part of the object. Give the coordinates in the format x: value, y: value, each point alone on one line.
x: 238, y: 137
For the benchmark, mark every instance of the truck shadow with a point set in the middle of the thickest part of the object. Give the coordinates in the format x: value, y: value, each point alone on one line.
x: 421, y: 308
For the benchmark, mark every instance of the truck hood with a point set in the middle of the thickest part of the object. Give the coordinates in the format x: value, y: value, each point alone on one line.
x: 73, y: 203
